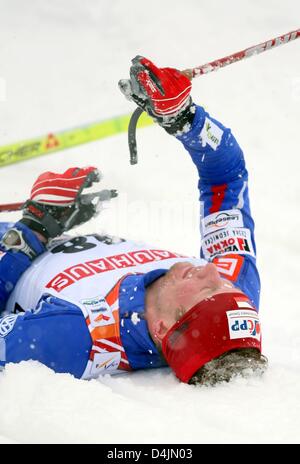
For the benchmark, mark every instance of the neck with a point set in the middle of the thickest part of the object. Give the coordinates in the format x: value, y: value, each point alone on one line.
x: 151, y: 308
x: 156, y: 319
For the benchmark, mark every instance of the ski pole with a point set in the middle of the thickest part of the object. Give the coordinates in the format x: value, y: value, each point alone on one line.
x: 238, y: 56
x: 8, y: 207
x: 207, y: 68
x: 86, y: 199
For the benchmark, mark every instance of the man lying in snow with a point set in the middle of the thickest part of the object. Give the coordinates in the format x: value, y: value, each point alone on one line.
x: 91, y: 305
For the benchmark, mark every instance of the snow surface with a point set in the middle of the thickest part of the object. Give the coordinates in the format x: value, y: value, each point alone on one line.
x: 60, y: 63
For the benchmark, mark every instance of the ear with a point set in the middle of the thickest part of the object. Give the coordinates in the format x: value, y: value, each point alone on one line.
x: 159, y: 329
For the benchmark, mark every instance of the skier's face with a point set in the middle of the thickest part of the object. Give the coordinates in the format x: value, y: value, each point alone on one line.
x: 185, y: 285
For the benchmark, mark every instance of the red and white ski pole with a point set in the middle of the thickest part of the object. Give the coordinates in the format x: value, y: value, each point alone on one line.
x: 238, y: 56
x: 207, y: 68
x: 6, y: 208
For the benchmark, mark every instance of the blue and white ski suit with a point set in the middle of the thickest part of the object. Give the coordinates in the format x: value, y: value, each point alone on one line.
x: 79, y: 306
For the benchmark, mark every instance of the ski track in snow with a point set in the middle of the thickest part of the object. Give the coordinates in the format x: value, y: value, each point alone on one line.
x: 60, y: 67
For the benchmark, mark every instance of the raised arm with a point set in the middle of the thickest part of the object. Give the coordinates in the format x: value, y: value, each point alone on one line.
x: 227, y: 228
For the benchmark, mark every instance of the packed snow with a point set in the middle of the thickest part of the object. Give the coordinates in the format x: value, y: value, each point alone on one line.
x: 60, y: 64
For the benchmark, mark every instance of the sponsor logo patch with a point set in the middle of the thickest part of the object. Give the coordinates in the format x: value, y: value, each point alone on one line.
x: 99, y: 311
x: 243, y: 302
x: 110, y: 263
x: 243, y: 324
x: 229, y: 266
x: 211, y: 134
x: 235, y: 240
x: 105, y: 362
x: 222, y: 220
x: 7, y: 324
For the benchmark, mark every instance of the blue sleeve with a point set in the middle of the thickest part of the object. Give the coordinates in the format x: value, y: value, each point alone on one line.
x: 14, y: 263
x: 227, y: 227
x: 54, y: 333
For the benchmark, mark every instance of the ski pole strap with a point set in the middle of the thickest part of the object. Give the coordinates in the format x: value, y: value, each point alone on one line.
x: 132, y: 135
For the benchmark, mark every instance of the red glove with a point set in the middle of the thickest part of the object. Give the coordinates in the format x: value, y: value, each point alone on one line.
x: 55, y: 189
x: 56, y: 203
x: 163, y: 92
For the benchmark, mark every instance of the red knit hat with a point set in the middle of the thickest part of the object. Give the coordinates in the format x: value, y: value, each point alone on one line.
x: 222, y: 323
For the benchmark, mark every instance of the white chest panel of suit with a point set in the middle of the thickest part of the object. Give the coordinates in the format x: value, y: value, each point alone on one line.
x: 88, y: 266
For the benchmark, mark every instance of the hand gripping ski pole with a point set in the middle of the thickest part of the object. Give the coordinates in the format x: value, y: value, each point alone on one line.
x: 86, y: 198
x: 210, y: 67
